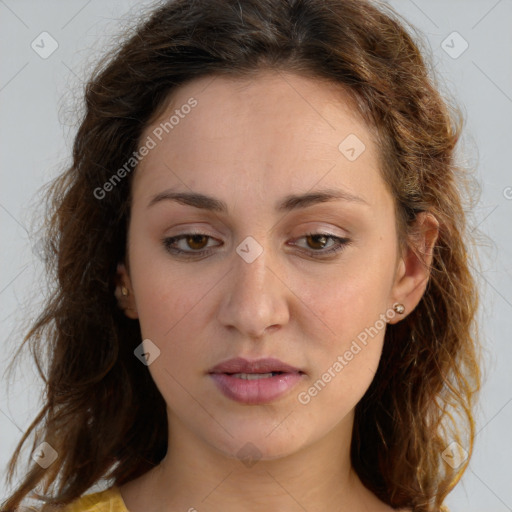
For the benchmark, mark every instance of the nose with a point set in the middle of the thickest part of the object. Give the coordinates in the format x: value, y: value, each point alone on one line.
x: 255, y: 296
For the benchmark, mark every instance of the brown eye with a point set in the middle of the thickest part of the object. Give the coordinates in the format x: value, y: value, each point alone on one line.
x: 188, y: 244
x: 319, y: 241
x: 319, y: 245
x: 197, y: 242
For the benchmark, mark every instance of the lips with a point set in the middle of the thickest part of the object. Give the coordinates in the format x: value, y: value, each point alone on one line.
x: 241, y: 365
x: 255, y: 382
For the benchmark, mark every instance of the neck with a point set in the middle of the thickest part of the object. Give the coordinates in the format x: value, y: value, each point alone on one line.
x: 194, y: 476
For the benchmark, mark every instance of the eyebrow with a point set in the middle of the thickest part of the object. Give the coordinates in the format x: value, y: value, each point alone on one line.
x: 290, y: 202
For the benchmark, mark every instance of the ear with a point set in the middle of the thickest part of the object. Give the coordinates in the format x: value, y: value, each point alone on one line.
x: 126, y: 300
x: 413, y: 269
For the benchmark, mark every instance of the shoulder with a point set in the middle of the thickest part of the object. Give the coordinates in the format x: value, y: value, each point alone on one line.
x: 103, y: 501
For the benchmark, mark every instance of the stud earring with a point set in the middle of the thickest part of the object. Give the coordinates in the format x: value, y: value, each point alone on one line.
x: 399, y: 308
x: 124, y: 291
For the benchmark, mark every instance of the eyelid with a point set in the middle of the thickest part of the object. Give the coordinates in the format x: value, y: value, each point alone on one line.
x: 340, y: 242
x: 175, y: 238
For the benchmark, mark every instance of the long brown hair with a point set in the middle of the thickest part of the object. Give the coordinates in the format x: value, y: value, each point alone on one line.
x: 103, y: 413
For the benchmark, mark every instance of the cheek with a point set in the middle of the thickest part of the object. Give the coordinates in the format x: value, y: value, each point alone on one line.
x: 346, y: 353
x: 349, y: 324
x: 170, y: 315
x: 354, y: 327
x: 353, y: 297
x: 167, y: 295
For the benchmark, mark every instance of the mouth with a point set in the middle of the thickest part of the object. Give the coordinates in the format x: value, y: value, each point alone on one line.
x: 255, y: 382
x: 254, y: 376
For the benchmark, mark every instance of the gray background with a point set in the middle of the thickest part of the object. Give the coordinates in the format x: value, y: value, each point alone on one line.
x: 37, y: 122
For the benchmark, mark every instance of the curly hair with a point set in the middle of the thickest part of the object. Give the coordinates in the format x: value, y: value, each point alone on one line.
x: 102, y: 412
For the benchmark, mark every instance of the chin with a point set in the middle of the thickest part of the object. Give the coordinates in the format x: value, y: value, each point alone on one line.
x: 251, y: 451
x: 258, y: 441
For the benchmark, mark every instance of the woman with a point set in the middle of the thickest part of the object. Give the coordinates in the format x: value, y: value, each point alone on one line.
x: 264, y: 299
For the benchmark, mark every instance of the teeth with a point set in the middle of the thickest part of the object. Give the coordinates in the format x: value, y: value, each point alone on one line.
x: 252, y: 376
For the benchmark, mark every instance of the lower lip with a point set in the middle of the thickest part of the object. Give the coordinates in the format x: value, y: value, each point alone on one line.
x: 257, y: 391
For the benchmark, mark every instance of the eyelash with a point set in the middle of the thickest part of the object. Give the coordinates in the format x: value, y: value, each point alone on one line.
x: 341, y: 243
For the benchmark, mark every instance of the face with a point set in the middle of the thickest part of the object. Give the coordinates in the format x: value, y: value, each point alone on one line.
x: 282, y: 245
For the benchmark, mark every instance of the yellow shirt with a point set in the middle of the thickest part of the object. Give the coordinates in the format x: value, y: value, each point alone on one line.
x: 109, y: 500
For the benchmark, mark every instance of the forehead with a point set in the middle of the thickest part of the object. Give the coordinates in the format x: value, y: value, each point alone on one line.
x: 272, y: 131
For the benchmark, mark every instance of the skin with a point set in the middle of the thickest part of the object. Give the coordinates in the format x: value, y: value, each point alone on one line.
x: 250, y: 144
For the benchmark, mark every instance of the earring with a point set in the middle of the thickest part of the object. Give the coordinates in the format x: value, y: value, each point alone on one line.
x: 124, y: 291
x: 399, y: 308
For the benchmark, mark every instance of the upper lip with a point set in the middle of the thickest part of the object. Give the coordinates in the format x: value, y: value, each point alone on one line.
x: 241, y: 365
